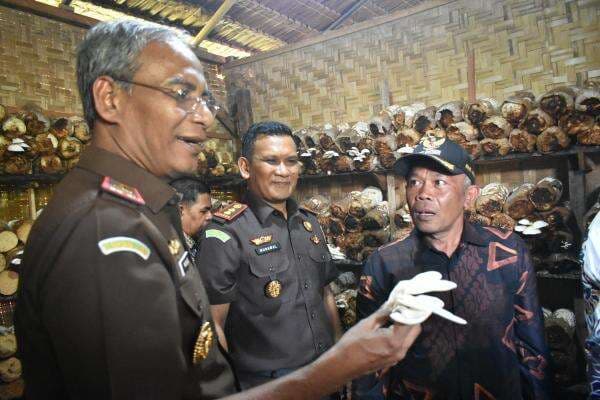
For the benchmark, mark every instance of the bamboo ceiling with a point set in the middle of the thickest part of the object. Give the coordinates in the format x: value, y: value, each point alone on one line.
x: 250, y: 26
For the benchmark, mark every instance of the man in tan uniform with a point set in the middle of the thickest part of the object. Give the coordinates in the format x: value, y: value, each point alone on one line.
x: 110, y: 305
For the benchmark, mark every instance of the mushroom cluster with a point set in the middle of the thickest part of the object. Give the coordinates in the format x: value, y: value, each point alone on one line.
x: 30, y: 142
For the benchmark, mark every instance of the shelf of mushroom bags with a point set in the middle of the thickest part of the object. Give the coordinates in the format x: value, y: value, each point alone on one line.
x: 35, y: 147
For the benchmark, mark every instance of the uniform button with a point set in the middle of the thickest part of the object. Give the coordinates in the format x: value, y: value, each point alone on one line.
x: 299, y: 257
x: 313, y: 314
x: 306, y: 285
x: 199, y: 306
x: 320, y: 346
x: 271, y: 269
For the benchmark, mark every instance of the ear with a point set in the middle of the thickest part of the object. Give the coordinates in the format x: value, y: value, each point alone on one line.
x: 107, y: 101
x: 471, y: 195
x: 244, y: 166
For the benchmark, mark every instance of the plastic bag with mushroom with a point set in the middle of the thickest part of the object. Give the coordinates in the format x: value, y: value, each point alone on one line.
x: 517, y: 204
x: 377, y: 218
x: 69, y: 147
x: 317, y: 204
x: 36, y: 122
x: 495, y: 147
x: 14, y: 127
x: 495, y: 127
x: 449, y: 113
x: 407, y: 137
x: 17, y: 165
x: 576, y: 123
x: 522, y: 141
x: 558, y: 101
x: 474, y: 149
x: 80, y: 128
x: 515, y: 108
x: 588, y: 101
x: 546, y: 193
x: 537, y: 121
x: 590, y: 138
x: 424, y: 120
x: 552, y: 139
x: 462, y: 133
x: 491, y: 199
x: 481, y: 110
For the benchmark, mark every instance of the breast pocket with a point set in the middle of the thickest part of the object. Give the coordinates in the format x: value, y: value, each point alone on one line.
x: 270, y: 282
x: 319, y: 257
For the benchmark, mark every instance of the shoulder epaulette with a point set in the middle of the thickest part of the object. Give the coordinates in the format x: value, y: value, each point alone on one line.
x: 308, y: 210
x: 122, y: 190
x: 231, y: 211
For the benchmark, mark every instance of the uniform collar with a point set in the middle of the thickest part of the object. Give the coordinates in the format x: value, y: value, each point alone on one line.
x: 262, y: 210
x: 155, y: 192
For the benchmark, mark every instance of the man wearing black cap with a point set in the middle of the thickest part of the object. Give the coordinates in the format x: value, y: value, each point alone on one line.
x: 501, y: 352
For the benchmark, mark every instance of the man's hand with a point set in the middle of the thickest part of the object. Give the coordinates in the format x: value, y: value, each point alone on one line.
x: 369, y: 346
x: 372, y: 345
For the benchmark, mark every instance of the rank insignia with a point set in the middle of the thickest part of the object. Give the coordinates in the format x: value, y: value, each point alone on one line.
x: 122, y: 190
x: 315, y: 239
x: 307, y: 226
x: 231, y: 212
x: 273, y: 289
x: 174, y: 246
x: 203, y: 343
x: 261, y: 240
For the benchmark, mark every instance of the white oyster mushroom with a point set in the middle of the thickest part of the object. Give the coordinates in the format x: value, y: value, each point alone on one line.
x: 409, y: 306
x: 539, y: 224
x: 524, y: 222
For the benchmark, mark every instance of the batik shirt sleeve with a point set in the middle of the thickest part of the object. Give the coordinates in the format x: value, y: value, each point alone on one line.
x: 530, y: 344
x: 591, y: 296
x: 372, y: 293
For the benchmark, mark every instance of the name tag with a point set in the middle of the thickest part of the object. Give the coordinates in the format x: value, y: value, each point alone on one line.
x: 268, y: 248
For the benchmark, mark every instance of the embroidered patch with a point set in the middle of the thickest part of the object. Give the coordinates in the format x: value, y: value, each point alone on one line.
x: 124, y: 243
x: 215, y: 233
x: 261, y: 240
x: 184, y: 263
x: 174, y: 246
x: 268, y: 248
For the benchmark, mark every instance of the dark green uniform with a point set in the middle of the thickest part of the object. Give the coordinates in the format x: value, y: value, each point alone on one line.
x: 246, y: 261
x: 110, y: 307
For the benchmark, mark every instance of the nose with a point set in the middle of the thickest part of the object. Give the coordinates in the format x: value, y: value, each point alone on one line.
x: 201, y: 114
x: 425, y: 191
x: 282, y: 169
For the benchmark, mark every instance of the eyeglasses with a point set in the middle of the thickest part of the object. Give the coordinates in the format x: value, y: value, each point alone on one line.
x: 183, y: 98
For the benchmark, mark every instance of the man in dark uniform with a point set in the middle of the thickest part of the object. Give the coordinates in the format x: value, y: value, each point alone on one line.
x: 109, y: 305
x: 267, y: 267
x: 196, y: 210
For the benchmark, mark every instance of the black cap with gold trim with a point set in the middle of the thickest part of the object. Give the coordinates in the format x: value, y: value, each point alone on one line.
x: 450, y: 156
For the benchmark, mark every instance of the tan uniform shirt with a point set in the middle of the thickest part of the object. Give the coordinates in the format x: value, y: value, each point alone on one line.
x: 110, y: 307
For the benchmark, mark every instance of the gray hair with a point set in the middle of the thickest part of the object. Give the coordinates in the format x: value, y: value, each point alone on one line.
x: 468, y: 183
x: 112, y: 48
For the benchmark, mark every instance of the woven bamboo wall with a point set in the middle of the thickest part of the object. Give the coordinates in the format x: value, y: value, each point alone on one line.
x: 37, y: 64
x: 518, y: 44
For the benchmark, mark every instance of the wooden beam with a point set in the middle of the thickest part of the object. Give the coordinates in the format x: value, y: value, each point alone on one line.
x: 471, y: 82
x: 345, y: 15
x: 228, y: 123
x: 216, y: 17
x: 55, y: 13
x: 341, y: 32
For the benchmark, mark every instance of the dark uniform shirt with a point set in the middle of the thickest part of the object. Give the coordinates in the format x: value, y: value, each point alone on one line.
x: 267, y: 334
x: 109, y: 306
x: 500, y: 354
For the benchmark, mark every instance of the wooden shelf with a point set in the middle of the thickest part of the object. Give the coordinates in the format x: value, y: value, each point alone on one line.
x: 485, y: 160
x: 28, y: 180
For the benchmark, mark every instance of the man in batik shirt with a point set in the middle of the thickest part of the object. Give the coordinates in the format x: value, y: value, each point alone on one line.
x: 501, y: 352
x: 591, y: 295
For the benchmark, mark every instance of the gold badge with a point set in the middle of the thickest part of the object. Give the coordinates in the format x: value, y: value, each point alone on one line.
x: 432, y: 142
x: 315, y: 239
x: 307, y: 225
x: 203, y: 343
x: 273, y: 289
x: 261, y: 240
x: 174, y: 246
